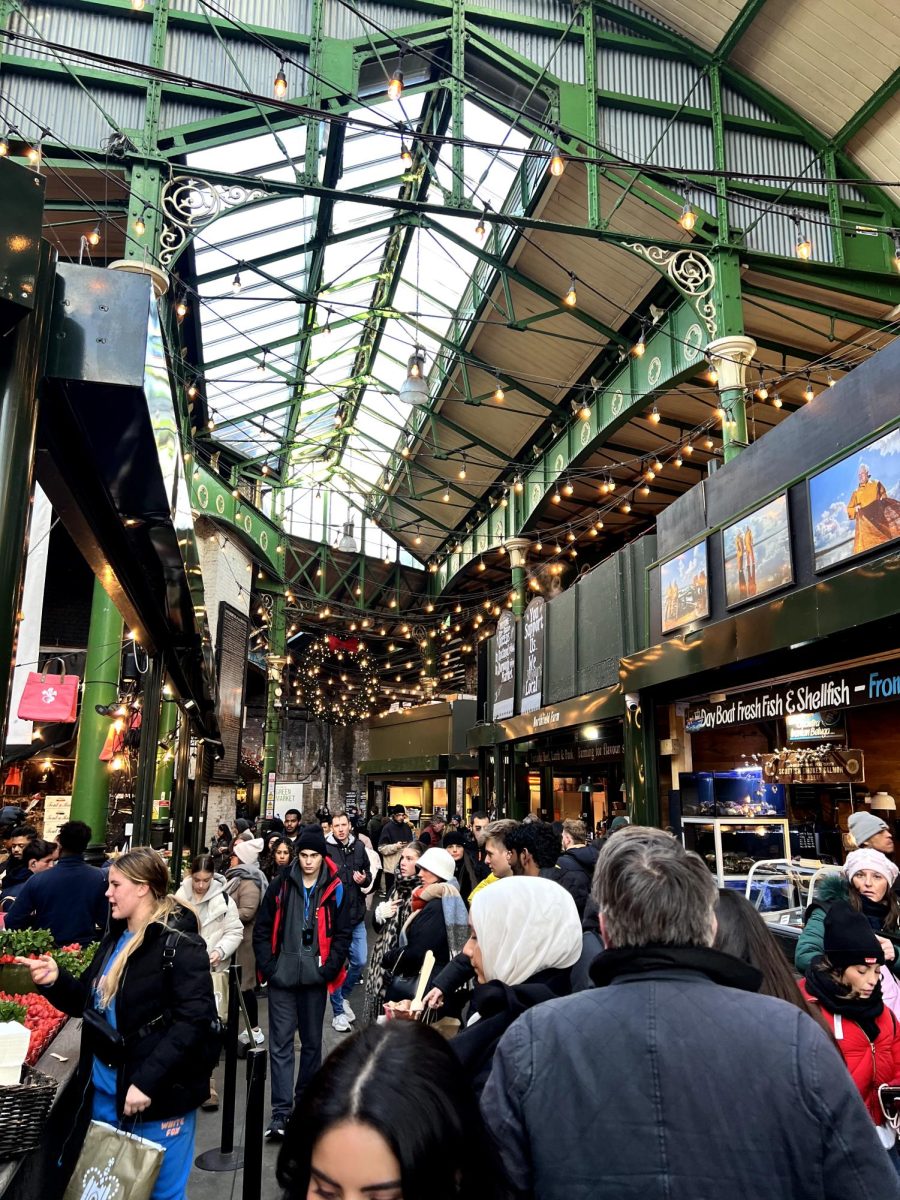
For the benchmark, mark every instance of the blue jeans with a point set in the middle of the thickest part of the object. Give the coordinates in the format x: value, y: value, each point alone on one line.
x: 359, y: 953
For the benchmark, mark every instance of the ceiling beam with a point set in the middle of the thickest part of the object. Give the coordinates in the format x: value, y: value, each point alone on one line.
x: 867, y: 111
x: 739, y: 27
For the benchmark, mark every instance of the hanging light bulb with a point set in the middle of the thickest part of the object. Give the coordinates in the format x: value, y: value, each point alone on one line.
x: 610, y: 484
x: 648, y: 473
x: 481, y: 227
x: 4, y: 145
x: 395, y: 87
x: 720, y: 411
x: 625, y: 507
x: 761, y: 390
x: 830, y: 379
x: 657, y: 465
x: 499, y: 394
x: 645, y: 489
x: 34, y: 154
x: 556, y: 498
x: 688, y: 218
x: 405, y: 450
x: 708, y: 442
x: 236, y: 284
x: 803, y: 248
x: 140, y: 225
x: 261, y: 365
x: 518, y: 485
x: 93, y: 238
x: 808, y: 393
x: 711, y: 373
x: 678, y: 460
x: 688, y: 449
x: 655, y: 415
x: 417, y: 540
x: 776, y: 400
x: 405, y: 154
x: 192, y: 391
x: 583, y: 411
x: 571, y: 297
x: 568, y: 488
x: 181, y: 310
x: 481, y: 566
x: 446, y: 496
x: 639, y: 349
x: 557, y: 163
x: 461, y: 473
x: 279, y: 87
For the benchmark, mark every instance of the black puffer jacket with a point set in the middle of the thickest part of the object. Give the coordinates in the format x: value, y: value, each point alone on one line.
x: 348, y: 857
x: 715, y: 1090
x: 577, y: 867
x: 498, y: 1005
x: 161, y: 1063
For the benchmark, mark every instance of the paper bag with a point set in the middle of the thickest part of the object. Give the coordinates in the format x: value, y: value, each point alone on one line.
x: 114, y: 1165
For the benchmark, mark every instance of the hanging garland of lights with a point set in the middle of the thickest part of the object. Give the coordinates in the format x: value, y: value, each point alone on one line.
x: 337, y: 680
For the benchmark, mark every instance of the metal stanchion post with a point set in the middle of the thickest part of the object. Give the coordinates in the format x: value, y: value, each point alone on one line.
x: 226, y: 1157
x: 257, y: 1061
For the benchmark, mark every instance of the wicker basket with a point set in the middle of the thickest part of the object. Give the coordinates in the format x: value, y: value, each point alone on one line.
x: 23, y: 1111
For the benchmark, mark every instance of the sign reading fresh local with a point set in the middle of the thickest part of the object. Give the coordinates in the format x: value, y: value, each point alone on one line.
x: 850, y: 687
x: 504, y: 668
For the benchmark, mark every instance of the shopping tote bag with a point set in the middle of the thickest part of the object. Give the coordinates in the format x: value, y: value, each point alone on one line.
x: 48, y: 697
x: 114, y: 1165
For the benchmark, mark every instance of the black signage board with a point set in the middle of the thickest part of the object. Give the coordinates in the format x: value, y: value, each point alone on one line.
x: 533, y: 656
x: 504, y: 667
x: 581, y: 752
x: 231, y: 666
x: 843, y: 687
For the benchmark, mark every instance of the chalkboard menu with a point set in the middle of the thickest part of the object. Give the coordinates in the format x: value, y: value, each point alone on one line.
x: 504, y: 667
x: 231, y: 668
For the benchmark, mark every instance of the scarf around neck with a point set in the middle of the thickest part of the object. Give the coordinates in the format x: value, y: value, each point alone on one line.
x: 828, y: 993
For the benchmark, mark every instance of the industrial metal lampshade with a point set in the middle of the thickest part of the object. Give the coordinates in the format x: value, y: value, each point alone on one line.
x: 884, y: 802
x: 348, y: 542
x: 414, y: 389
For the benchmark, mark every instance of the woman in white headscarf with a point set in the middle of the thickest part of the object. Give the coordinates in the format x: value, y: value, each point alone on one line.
x: 525, y: 939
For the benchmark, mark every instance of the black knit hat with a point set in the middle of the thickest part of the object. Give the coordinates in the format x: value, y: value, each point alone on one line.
x: 453, y: 838
x: 312, y: 839
x: 849, y: 938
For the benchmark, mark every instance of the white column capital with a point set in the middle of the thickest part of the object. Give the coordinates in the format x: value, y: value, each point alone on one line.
x: 518, y: 551
x: 730, y: 356
x: 158, y: 277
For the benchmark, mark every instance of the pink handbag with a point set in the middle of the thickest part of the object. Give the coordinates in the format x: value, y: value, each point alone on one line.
x: 49, y: 698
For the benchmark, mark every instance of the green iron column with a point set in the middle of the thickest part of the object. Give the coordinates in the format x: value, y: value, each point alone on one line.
x: 731, y: 352
x: 518, y: 559
x: 275, y: 661
x: 641, y: 777
x: 90, y: 783
x: 165, y: 762
x: 145, y: 780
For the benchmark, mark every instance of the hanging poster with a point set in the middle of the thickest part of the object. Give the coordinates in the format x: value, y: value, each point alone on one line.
x: 504, y: 667
x: 685, y: 588
x: 855, y: 504
x: 533, y: 656
x: 758, y: 553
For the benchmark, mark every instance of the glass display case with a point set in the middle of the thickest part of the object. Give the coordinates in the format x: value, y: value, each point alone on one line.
x: 730, y: 846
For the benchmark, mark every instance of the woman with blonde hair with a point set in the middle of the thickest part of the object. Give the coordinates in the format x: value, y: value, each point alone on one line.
x: 149, y: 1014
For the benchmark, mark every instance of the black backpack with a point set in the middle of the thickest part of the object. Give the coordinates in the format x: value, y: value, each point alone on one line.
x: 208, y: 1051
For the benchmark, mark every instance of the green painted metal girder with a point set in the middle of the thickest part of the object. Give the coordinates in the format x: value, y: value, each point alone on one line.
x: 211, y: 497
x: 867, y: 111
x: 739, y: 27
x: 867, y: 285
x: 674, y: 350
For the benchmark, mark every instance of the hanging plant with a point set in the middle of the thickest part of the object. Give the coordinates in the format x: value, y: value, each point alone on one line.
x: 337, y: 681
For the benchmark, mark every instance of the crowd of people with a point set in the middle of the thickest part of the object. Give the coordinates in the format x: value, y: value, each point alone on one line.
x: 543, y: 1013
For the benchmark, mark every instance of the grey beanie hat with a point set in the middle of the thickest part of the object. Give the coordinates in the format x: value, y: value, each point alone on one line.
x: 864, y: 825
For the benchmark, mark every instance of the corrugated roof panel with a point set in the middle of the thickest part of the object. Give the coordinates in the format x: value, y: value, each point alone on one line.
x: 76, y: 118
x: 175, y: 114
x: 738, y: 105
x: 774, y: 230
x: 652, y: 78
x: 122, y: 37
x: 203, y: 59
x: 295, y: 17
x: 656, y: 140
x: 532, y: 10
x: 367, y: 19
x: 774, y: 156
x: 562, y: 57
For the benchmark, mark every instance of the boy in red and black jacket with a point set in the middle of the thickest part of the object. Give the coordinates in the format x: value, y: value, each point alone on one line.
x: 301, y: 939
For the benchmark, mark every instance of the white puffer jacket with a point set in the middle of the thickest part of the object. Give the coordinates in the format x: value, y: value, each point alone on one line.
x: 220, y: 923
